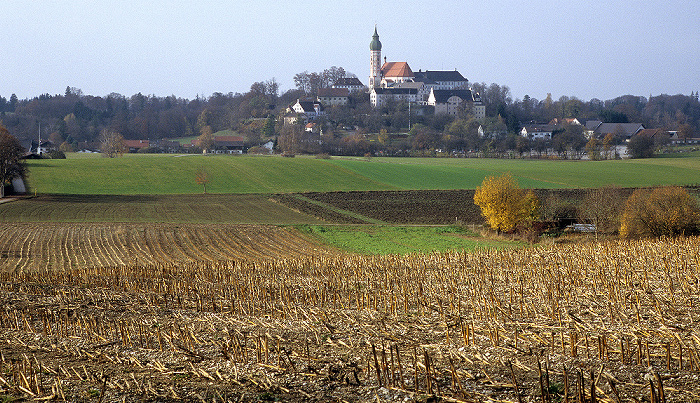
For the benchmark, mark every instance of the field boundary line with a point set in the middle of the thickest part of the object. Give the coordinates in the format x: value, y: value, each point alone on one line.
x: 339, y: 210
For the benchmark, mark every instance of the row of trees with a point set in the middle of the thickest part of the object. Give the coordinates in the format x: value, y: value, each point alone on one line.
x: 75, y: 118
x: 661, y: 111
x: 647, y: 212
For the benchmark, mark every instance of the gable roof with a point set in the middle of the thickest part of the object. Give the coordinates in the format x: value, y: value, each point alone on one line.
x: 136, y: 143
x: 626, y: 129
x: 593, y: 124
x: 442, y: 96
x: 349, y: 82
x: 652, y: 132
x: 564, y: 121
x: 308, y: 106
x: 396, y: 69
x: 542, y: 128
x: 228, y: 141
x: 439, y: 75
x: 333, y: 92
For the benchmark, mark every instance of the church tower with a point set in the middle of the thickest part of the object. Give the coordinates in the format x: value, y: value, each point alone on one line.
x: 375, y: 48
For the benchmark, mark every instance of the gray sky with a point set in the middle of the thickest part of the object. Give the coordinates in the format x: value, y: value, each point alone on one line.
x: 587, y: 49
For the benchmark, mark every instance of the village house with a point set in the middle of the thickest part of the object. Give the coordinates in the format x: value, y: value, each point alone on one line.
x: 541, y: 131
x: 545, y: 131
x: 352, y: 84
x: 451, y: 102
x: 333, y: 96
x: 228, y: 145
x: 133, y: 146
x: 622, y: 130
x: 305, y: 110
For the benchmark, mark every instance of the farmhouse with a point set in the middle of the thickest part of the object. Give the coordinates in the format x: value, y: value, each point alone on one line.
x: 133, y: 146
x: 623, y: 130
x: 228, y: 145
x: 535, y: 131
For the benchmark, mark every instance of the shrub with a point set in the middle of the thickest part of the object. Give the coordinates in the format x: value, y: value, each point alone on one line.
x: 666, y: 211
x: 641, y: 147
x: 258, y: 150
x: 55, y: 154
x: 504, y: 205
x: 602, y: 207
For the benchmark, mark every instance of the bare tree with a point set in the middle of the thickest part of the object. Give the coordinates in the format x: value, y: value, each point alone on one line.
x: 11, y: 164
x: 202, y: 178
x: 602, y: 208
x: 112, y: 143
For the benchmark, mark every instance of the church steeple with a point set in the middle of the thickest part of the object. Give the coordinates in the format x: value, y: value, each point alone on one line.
x: 375, y: 48
x: 375, y: 44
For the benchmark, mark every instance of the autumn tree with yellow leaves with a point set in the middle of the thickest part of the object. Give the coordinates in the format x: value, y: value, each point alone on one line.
x: 664, y: 211
x: 504, y: 205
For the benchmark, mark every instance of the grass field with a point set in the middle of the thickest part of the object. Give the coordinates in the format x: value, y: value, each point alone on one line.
x: 384, y: 240
x: 174, y: 174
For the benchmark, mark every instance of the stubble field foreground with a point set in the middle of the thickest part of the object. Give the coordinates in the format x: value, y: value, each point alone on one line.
x: 616, y: 320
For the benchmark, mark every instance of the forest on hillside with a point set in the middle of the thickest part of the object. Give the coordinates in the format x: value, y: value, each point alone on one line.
x: 75, y: 118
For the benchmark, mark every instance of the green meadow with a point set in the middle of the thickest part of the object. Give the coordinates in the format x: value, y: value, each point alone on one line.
x: 141, y: 174
x: 383, y: 240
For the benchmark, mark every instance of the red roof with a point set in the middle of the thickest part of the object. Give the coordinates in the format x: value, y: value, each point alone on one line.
x: 396, y: 69
x: 136, y: 143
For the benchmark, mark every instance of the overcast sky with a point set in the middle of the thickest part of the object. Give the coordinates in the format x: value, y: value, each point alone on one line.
x: 587, y: 49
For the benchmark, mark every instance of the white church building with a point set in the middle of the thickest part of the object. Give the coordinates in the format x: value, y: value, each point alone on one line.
x: 448, y: 91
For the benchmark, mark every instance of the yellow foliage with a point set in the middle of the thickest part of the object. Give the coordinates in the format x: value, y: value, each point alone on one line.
x: 504, y: 205
x: 665, y: 211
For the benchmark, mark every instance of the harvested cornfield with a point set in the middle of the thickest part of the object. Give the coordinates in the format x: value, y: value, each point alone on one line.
x: 61, y: 246
x: 608, y: 322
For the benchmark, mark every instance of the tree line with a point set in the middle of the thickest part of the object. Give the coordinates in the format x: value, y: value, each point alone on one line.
x: 74, y: 118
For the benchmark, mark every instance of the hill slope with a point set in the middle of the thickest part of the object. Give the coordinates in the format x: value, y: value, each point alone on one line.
x: 174, y: 174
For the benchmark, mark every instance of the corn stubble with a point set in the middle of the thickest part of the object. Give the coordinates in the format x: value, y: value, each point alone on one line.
x: 607, y: 322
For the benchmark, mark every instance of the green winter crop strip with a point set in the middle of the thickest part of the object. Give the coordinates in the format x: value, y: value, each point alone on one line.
x: 174, y: 174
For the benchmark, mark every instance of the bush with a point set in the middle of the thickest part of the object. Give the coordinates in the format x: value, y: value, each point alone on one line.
x: 55, y: 155
x: 504, y: 205
x: 258, y: 150
x: 641, y: 147
x: 602, y: 207
x: 666, y: 211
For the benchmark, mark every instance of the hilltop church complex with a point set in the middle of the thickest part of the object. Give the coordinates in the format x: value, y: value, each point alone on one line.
x: 447, y: 91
